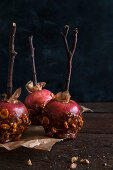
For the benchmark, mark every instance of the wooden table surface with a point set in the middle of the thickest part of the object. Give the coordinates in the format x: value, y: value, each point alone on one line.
x: 94, y: 142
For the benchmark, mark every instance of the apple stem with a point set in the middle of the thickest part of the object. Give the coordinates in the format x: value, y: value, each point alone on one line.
x: 11, y: 60
x: 33, y: 61
x: 70, y: 53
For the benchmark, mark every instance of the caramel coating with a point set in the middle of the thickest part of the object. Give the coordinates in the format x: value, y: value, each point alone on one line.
x: 67, y: 127
x: 34, y: 115
x: 11, y: 127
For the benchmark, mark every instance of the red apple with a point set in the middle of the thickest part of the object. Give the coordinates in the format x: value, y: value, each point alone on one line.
x: 13, y: 120
x: 35, y: 102
x: 62, y: 117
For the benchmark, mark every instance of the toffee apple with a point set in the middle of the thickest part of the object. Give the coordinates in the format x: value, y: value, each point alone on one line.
x: 13, y: 113
x: 62, y: 117
x: 38, y: 97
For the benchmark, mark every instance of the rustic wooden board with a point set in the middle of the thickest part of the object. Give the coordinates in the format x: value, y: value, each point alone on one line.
x: 94, y: 142
x: 100, y: 107
x: 97, y: 123
x: 97, y: 148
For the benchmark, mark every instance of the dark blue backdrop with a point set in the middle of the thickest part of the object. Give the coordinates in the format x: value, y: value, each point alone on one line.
x: 92, y: 74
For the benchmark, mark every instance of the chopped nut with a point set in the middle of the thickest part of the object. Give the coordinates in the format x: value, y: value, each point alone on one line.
x: 69, y: 120
x: 81, y: 123
x: 105, y: 164
x: 74, y: 125
x: 29, y: 162
x: 14, y: 125
x: 84, y: 161
x: 79, y: 128
x: 45, y: 120
x: 4, y: 113
x: 11, y: 124
x: 53, y: 130
x: 6, y: 135
x: 68, y: 131
x: 72, y: 136
x: 19, y: 122
x: 18, y: 137
x: 73, y: 165
x: 5, y: 126
x: 66, y: 125
x: 14, y: 130
x: 74, y: 159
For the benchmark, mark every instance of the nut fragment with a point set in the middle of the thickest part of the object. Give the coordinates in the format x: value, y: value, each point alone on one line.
x: 105, y: 164
x: 81, y: 123
x: 53, y: 130
x: 18, y: 137
x: 19, y: 122
x: 66, y: 125
x: 45, y: 120
x: 29, y: 163
x: 69, y: 120
x: 79, y: 128
x: 11, y: 124
x: 14, y: 125
x: 6, y: 135
x: 5, y: 126
x: 84, y: 161
x: 4, y: 113
x: 14, y: 130
x: 74, y: 159
x: 73, y: 165
x: 74, y: 125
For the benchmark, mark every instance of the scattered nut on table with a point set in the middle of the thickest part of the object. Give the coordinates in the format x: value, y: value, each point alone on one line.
x: 73, y: 165
x: 105, y: 164
x: 29, y: 162
x: 74, y: 159
x: 84, y: 161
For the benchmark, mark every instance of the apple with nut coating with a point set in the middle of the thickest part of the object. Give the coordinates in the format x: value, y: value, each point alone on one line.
x: 37, y: 100
x: 62, y: 117
x: 14, y: 119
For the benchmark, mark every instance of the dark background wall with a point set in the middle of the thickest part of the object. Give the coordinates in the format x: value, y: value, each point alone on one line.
x: 92, y: 74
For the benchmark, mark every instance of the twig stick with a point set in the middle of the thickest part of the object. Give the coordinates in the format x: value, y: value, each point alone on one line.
x: 11, y: 60
x: 33, y: 61
x: 70, y: 53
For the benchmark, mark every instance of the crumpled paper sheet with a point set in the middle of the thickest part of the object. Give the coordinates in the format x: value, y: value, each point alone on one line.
x: 34, y: 137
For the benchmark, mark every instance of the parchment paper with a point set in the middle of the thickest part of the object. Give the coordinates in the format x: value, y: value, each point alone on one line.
x: 34, y: 137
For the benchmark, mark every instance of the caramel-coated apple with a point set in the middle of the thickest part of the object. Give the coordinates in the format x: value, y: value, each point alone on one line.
x: 36, y: 101
x: 38, y: 97
x: 14, y: 117
x: 62, y: 117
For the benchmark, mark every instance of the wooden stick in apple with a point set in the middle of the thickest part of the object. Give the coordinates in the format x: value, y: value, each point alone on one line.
x: 11, y: 60
x: 70, y: 53
x: 38, y: 97
x: 14, y: 117
x: 33, y: 61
